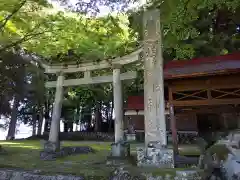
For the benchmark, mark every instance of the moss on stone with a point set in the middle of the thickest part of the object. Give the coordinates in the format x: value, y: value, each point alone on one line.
x: 220, y: 150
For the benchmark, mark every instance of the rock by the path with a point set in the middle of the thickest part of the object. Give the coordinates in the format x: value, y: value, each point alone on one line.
x: 21, y: 175
x: 2, y: 150
x: 121, y: 174
x: 65, y: 151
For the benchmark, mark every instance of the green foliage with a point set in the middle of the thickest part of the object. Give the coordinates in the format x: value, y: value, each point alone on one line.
x: 52, y: 33
x: 19, y: 21
x: 190, y: 28
x: 88, y: 39
x: 194, y: 28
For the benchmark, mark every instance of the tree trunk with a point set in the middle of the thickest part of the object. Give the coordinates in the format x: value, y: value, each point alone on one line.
x: 77, y: 120
x: 46, y: 117
x: 110, y: 119
x: 65, y: 126
x: 70, y: 126
x: 40, y: 122
x: 34, y: 123
x: 98, y: 117
x: 107, y: 117
x: 13, y: 122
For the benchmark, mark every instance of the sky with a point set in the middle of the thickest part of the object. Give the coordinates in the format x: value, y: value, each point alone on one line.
x: 104, y: 10
x: 24, y: 131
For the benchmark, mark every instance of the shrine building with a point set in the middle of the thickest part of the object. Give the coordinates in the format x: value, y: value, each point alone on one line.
x: 204, y: 92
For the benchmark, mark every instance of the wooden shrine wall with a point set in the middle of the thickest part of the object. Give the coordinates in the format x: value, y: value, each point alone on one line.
x: 185, y: 122
x: 215, y: 90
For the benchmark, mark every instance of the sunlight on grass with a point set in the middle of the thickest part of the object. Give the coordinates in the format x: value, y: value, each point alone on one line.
x: 189, y: 150
x: 22, y: 146
x: 7, y: 143
x: 25, y: 154
x: 27, y: 145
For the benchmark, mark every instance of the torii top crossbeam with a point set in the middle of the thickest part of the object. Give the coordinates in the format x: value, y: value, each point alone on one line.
x: 83, y: 67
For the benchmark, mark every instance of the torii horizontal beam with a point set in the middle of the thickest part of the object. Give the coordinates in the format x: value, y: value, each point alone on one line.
x: 92, y: 80
x: 70, y: 68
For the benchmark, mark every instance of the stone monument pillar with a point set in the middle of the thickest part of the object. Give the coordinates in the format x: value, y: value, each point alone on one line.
x: 55, y: 124
x: 119, y: 147
x: 155, y: 153
x: 155, y: 125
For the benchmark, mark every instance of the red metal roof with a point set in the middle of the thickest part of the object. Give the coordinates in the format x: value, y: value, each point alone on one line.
x: 202, y: 66
x: 195, y: 67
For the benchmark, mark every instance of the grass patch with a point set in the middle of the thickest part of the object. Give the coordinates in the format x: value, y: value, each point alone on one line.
x: 24, y: 155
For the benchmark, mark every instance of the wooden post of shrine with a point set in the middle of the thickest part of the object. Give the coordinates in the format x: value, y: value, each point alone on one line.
x: 173, y: 122
x: 173, y: 129
x: 225, y: 121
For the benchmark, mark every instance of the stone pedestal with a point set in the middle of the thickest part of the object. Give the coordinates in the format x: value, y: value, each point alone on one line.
x: 121, y: 149
x: 51, y: 146
x: 155, y: 155
x: 50, y: 150
x: 130, y: 137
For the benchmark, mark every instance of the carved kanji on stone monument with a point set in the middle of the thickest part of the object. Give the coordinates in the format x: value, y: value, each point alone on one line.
x: 153, y: 87
x: 150, y: 104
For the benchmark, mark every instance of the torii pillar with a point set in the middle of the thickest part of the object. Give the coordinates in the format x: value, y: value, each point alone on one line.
x: 53, y: 143
x: 119, y: 148
x: 118, y: 104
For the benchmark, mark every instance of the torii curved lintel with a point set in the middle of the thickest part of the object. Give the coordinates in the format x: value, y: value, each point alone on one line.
x: 130, y: 58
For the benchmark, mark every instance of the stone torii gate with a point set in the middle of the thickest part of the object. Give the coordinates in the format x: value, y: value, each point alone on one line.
x: 155, y: 126
x: 116, y: 78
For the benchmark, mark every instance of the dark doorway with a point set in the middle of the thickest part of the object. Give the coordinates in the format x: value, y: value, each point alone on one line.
x: 208, y: 123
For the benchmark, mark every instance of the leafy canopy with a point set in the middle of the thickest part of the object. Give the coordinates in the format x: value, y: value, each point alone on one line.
x: 88, y: 39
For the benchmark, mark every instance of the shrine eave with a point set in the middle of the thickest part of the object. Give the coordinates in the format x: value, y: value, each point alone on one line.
x: 202, y: 66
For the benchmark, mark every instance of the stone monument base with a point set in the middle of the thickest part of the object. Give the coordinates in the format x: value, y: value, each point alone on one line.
x: 120, y: 149
x: 50, y: 150
x: 130, y: 137
x: 120, y: 152
x: 155, y: 155
x: 51, y: 146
